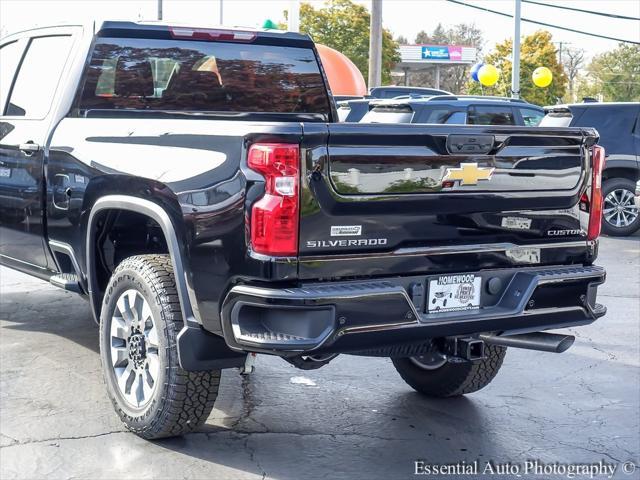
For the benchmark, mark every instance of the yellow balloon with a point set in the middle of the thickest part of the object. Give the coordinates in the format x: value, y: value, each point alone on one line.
x: 542, y: 77
x: 488, y: 75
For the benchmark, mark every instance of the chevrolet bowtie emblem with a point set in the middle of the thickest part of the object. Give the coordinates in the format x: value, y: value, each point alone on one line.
x: 468, y: 173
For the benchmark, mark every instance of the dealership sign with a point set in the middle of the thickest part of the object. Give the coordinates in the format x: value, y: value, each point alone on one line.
x: 442, y: 52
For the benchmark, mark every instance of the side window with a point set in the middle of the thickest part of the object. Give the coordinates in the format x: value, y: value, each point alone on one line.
x: 457, y: 118
x: 490, y: 115
x: 442, y: 116
x: 531, y: 117
x: 38, y: 77
x: 10, y: 55
x: 613, y: 122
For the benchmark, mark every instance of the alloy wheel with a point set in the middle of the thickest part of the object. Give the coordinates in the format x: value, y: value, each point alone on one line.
x: 134, y: 349
x: 619, y: 208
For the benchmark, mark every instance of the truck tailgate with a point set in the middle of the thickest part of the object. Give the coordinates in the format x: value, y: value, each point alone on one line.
x: 385, y: 190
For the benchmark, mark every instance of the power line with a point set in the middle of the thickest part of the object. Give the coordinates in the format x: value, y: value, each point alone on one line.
x: 544, y: 24
x: 611, y: 15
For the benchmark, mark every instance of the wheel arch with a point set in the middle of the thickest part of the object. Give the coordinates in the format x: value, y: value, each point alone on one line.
x: 620, y: 169
x: 158, y: 214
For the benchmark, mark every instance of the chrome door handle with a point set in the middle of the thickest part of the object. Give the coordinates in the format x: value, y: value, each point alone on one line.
x: 29, y: 148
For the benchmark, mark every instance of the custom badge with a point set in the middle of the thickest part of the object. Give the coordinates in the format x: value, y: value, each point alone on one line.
x: 468, y: 174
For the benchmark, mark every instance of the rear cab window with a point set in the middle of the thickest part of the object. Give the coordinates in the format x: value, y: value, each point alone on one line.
x: 490, y: 115
x: 557, y: 118
x: 389, y: 114
x: 202, y: 76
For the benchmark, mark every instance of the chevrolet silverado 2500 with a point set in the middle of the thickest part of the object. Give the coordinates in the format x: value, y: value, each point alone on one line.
x: 194, y: 185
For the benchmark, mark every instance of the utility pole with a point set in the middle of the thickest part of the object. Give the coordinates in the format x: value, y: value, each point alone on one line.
x: 375, y: 44
x: 515, y: 56
x: 560, y: 45
x: 221, y: 15
x: 159, y: 9
x: 293, y: 16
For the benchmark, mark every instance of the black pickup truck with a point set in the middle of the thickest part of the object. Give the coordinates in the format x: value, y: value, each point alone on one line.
x: 195, y: 186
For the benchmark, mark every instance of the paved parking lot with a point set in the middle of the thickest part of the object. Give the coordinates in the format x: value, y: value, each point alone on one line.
x: 354, y: 418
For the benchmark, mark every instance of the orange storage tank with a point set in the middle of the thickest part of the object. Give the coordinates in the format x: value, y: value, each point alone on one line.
x: 344, y: 77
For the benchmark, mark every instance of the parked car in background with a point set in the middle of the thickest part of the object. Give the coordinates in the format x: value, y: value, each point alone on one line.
x: 352, y: 110
x: 456, y: 110
x: 393, y: 91
x: 619, y: 128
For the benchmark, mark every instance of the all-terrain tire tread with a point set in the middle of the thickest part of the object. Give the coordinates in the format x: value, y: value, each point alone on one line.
x: 459, y: 379
x: 187, y: 397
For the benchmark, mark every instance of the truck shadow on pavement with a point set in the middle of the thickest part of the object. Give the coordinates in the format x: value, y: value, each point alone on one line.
x: 384, y: 446
x: 355, y: 416
x: 264, y: 424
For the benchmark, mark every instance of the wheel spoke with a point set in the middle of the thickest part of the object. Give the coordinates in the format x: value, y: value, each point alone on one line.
x: 147, y: 385
x: 130, y: 300
x: 146, y: 315
x: 137, y: 389
x: 625, y: 221
x: 153, y: 364
x: 151, y: 337
x: 119, y: 356
x: 119, y: 328
x: 138, y: 307
x: 618, y: 198
x: 123, y: 308
x: 124, y: 377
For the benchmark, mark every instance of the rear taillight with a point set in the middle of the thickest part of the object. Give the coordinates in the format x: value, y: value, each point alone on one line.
x: 595, y: 202
x: 274, y: 218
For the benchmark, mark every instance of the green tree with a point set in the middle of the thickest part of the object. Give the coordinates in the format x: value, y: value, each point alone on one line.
x: 344, y: 25
x: 614, y: 75
x: 536, y: 50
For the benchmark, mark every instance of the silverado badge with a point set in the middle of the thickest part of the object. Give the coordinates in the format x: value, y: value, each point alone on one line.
x: 468, y: 174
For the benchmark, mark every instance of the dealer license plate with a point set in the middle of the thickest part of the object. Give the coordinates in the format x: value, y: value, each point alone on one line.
x: 449, y: 293
x: 5, y: 172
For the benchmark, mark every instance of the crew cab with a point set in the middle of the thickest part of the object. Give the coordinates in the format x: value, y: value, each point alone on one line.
x: 194, y: 185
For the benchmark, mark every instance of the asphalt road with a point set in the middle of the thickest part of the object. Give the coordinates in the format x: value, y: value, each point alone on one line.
x: 354, y: 418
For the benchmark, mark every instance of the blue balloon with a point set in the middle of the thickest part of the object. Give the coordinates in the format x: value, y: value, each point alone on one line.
x: 474, y: 71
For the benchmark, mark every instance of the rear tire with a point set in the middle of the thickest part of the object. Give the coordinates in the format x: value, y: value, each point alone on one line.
x: 619, y: 192
x: 451, y: 379
x: 140, y: 320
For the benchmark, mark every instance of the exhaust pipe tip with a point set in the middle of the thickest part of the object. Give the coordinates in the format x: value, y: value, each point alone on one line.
x: 541, y: 341
x: 565, y: 344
